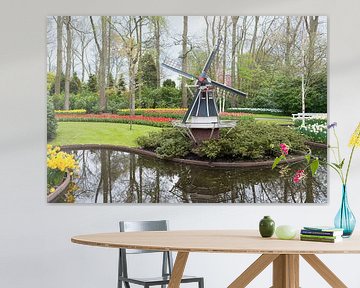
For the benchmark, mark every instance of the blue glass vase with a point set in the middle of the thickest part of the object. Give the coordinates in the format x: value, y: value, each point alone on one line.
x: 345, y: 219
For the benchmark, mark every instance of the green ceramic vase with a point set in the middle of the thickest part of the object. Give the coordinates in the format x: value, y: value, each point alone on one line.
x: 267, y: 227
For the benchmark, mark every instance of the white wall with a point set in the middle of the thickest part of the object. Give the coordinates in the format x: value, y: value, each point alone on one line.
x: 35, y: 248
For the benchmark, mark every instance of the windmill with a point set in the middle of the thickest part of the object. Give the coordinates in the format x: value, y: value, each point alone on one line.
x: 201, y: 120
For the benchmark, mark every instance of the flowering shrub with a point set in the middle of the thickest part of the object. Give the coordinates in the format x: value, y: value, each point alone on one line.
x: 58, y: 164
x: 315, y: 128
x: 75, y: 111
x: 315, y: 132
x: 257, y: 110
x: 105, y: 117
x: 311, y: 121
x: 249, y: 140
x: 233, y: 115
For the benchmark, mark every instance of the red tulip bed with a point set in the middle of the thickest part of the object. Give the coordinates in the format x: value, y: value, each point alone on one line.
x: 107, y: 117
x: 160, y: 117
x: 174, y: 113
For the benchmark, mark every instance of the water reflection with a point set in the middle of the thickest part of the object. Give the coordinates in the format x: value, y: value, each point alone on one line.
x: 108, y: 176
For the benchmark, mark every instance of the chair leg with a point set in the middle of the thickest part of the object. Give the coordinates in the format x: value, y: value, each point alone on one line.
x: 201, y: 283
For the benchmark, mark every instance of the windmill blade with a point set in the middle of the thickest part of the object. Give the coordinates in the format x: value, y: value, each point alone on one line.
x: 212, y: 56
x: 182, y: 73
x: 229, y: 89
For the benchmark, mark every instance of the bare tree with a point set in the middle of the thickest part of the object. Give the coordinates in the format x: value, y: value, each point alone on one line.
x: 291, y: 34
x: 234, y: 20
x: 128, y: 32
x: 109, y: 51
x: 157, y: 23
x: 254, y: 37
x: 59, y: 35
x: 67, y: 20
x: 225, y: 48
x: 184, y: 96
x: 311, y: 23
x: 207, y: 34
x: 102, y: 51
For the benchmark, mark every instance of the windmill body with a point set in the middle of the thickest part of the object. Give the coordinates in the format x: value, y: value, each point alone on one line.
x: 201, y: 120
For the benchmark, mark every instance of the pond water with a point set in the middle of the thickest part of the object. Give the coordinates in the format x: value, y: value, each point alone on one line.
x: 109, y: 176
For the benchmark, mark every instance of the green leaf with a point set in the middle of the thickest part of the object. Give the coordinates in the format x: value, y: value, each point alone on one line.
x: 308, y: 157
x: 277, y: 161
x: 339, y: 166
x: 314, y: 166
x: 342, y: 164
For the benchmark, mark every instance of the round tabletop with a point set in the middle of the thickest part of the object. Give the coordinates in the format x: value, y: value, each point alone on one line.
x: 217, y: 241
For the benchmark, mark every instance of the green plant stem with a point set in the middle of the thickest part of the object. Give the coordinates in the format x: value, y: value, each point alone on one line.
x: 340, y: 171
x: 338, y: 145
x: 348, y: 166
x: 335, y: 168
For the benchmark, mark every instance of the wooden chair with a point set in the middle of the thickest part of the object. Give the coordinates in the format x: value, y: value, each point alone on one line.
x: 167, y: 262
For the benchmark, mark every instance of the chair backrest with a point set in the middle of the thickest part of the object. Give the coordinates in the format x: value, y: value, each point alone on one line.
x: 134, y: 226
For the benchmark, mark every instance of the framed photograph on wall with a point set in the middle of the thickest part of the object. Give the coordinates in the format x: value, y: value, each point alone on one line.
x: 186, y: 109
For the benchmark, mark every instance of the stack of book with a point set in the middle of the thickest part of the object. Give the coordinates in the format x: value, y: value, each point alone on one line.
x: 321, y: 234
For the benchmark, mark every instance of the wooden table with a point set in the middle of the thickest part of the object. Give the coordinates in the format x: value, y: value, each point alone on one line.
x: 284, y: 254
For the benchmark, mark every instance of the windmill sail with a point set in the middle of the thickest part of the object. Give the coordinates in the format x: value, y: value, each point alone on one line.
x: 228, y: 89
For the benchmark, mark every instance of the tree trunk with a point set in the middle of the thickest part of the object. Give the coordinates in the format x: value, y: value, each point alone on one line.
x: 132, y: 76
x: 59, y: 35
x: 109, y: 52
x: 288, y: 41
x: 234, y: 20
x: 157, y: 49
x: 102, y: 65
x: 225, y: 50
x: 102, y: 51
x: 184, y: 96
x: 139, y: 40
x: 68, y: 62
x: 253, y: 40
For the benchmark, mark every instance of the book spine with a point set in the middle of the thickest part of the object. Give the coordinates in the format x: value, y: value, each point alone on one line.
x: 318, y: 236
x: 319, y: 233
x: 317, y: 239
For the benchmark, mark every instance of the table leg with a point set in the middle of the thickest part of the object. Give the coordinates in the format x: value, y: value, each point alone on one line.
x: 324, y: 271
x: 178, y: 270
x: 286, y: 271
x: 253, y: 270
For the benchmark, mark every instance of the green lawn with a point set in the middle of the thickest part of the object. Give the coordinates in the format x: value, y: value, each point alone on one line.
x: 274, y: 119
x: 272, y: 116
x: 99, y: 133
